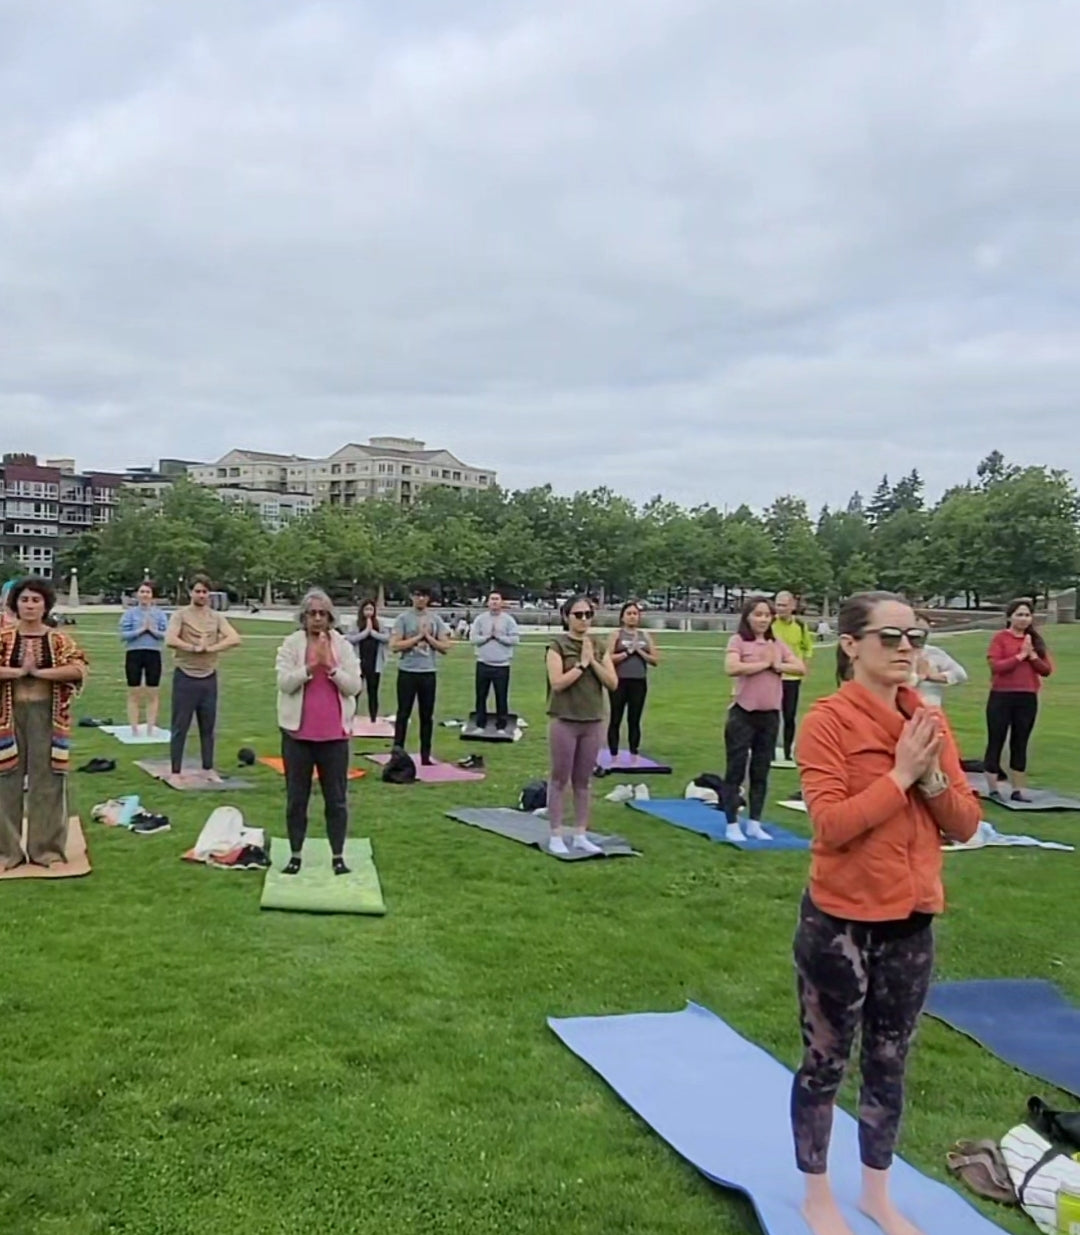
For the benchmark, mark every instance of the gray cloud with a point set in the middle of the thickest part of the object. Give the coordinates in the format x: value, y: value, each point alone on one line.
x: 716, y: 250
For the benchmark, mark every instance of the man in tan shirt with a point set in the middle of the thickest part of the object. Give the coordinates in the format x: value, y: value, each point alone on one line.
x: 198, y: 635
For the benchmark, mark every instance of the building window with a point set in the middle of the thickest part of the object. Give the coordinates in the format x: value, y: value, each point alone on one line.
x: 483, y: 480
x: 335, y: 469
x: 350, y: 468
x: 222, y: 472
x: 457, y: 475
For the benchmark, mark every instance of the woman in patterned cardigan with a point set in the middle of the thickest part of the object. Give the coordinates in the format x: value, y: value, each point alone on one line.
x: 41, y: 671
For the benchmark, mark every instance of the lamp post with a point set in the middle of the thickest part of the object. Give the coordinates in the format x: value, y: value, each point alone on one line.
x: 145, y: 573
x: 73, y: 588
x: 179, y: 587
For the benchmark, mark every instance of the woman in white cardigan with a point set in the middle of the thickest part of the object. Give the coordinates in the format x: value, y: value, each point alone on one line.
x: 318, y: 679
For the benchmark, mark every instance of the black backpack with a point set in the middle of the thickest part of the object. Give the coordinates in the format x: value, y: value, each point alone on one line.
x: 400, y: 769
x: 533, y: 796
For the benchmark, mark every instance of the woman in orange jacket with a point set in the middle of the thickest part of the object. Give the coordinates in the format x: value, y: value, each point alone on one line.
x: 882, y: 782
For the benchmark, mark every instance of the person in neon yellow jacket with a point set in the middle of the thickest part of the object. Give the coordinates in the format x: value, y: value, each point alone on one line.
x: 792, y: 630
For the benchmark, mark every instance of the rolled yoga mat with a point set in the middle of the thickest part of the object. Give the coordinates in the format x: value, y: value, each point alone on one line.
x: 697, y: 816
x: 316, y: 889
x: 722, y: 1103
x: 625, y: 762
x: 437, y: 774
x: 527, y: 828
x: 123, y: 733
x: 1041, y: 799
x: 77, y: 864
x: 160, y: 769
x: 1025, y: 1022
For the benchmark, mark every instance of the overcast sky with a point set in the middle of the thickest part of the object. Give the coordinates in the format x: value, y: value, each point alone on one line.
x: 710, y: 248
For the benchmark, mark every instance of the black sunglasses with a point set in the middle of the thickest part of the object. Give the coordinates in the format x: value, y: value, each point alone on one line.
x: 586, y: 615
x: 890, y: 636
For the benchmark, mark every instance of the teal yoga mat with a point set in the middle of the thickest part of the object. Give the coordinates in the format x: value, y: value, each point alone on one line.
x: 316, y: 889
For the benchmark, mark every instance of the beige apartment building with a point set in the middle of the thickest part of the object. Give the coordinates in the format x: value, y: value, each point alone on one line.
x: 386, y: 467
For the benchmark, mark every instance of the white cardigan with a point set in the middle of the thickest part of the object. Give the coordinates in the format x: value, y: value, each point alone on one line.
x: 292, y: 677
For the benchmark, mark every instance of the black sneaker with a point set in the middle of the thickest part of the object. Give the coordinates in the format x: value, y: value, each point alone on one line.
x: 147, y: 825
x: 253, y: 859
x: 99, y: 765
x: 471, y: 761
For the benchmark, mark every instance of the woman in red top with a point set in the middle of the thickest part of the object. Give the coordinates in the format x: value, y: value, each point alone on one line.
x: 1018, y: 663
x: 882, y: 782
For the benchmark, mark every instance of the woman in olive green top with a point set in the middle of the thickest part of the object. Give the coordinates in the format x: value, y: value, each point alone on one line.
x: 577, y: 674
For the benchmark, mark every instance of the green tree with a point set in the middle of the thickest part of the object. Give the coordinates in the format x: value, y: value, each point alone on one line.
x: 857, y: 575
x: 801, y: 562
x: 1031, y: 517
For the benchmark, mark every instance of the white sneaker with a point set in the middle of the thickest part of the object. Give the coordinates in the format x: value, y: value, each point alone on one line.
x: 734, y: 832
x: 641, y: 793
x: 621, y: 793
x: 583, y: 845
x: 755, y: 831
x: 557, y: 845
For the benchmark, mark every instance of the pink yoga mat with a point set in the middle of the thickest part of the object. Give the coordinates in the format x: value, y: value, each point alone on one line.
x: 624, y: 762
x: 364, y: 728
x: 437, y: 774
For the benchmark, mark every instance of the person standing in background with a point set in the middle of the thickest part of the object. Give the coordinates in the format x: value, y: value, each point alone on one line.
x: 791, y: 630
x: 495, y: 636
x: 369, y: 640
x: 198, y: 635
x: 632, y: 651
x: 935, y: 669
x: 1019, y: 661
x: 419, y: 637
x: 142, y: 631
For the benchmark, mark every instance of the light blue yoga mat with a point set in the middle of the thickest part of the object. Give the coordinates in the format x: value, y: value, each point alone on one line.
x: 1027, y: 1023
x: 698, y: 816
x: 722, y: 1103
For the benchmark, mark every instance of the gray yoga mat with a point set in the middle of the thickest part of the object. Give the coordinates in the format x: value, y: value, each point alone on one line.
x: 1041, y: 799
x: 530, y: 830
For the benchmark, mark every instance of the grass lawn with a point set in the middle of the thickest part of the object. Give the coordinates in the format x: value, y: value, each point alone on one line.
x: 206, y: 1068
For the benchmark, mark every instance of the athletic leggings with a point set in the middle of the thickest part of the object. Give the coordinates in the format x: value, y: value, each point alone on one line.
x: 574, y: 745
x: 1011, y: 714
x: 789, y: 711
x: 854, y: 976
x: 193, y: 698
x: 748, y: 737
x: 371, y: 681
x: 415, y: 689
x: 628, y: 697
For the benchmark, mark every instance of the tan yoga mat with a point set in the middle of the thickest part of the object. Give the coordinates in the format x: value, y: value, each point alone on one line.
x: 78, y: 862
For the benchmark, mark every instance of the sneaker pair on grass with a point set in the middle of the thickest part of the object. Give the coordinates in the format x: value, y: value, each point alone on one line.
x: 754, y: 831
x: 629, y: 793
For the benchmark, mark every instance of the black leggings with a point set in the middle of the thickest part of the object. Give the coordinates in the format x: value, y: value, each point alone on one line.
x: 1009, y: 713
x: 790, y: 709
x: 856, y: 976
x: 748, y: 736
x: 302, y: 760
x: 371, y: 682
x: 415, y: 688
x: 193, y: 698
x: 628, y: 697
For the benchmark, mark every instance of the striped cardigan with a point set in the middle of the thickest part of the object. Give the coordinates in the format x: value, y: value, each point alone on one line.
x: 63, y: 651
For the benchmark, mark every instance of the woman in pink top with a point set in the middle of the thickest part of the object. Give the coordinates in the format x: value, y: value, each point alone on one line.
x: 318, y: 679
x: 1018, y: 662
x: 755, y: 659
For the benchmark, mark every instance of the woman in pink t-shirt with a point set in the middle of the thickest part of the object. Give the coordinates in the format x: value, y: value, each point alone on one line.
x: 318, y: 679
x: 755, y: 659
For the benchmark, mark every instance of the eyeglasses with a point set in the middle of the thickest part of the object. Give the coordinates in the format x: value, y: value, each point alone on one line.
x: 318, y: 613
x: 585, y: 615
x: 890, y: 636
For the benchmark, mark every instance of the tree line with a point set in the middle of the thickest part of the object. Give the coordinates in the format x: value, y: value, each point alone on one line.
x: 1009, y: 530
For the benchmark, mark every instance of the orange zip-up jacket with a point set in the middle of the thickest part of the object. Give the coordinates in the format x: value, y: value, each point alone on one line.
x: 876, y: 852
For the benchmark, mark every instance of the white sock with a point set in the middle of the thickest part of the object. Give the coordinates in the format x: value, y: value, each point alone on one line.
x: 556, y: 844
x: 755, y: 831
x: 582, y: 842
x: 734, y: 832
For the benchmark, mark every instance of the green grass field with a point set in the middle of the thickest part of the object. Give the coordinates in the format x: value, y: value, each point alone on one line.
x: 205, y: 1068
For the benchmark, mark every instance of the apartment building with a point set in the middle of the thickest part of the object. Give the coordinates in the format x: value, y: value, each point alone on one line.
x: 275, y: 509
x: 386, y: 467
x: 45, y: 505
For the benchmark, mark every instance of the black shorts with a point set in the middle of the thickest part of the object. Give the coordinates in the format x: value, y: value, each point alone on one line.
x: 140, y: 663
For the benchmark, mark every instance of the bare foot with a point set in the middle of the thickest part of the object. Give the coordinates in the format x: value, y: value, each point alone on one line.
x: 888, y: 1217
x: 823, y: 1216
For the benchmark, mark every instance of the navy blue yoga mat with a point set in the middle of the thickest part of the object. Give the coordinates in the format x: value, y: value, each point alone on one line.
x: 698, y: 816
x: 721, y: 1102
x: 1028, y: 1024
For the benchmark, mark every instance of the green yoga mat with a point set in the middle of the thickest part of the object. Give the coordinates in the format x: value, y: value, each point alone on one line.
x: 316, y: 889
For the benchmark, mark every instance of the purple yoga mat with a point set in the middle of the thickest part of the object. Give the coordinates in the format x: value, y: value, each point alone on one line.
x: 624, y: 762
x: 364, y: 728
x: 437, y: 774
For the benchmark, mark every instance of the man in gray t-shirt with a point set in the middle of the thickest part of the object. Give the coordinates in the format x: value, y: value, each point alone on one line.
x: 419, y: 637
x: 495, y: 636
